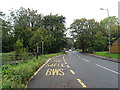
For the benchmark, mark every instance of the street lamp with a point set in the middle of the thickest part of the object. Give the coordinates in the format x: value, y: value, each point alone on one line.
x: 108, y: 26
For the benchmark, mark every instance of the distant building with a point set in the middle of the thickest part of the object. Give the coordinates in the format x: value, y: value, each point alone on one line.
x: 115, y: 47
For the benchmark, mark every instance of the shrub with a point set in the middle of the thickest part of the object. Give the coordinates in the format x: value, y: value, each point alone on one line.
x: 16, y: 75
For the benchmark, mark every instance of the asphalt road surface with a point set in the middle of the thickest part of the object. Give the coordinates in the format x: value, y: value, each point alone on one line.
x: 76, y: 70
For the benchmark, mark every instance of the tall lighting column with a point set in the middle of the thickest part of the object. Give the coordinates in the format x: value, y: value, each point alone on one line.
x: 108, y: 26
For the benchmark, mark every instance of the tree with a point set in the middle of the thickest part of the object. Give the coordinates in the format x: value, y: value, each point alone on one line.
x: 113, y: 28
x: 18, y: 49
x: 7, y: 34
x: 40, y: 36
x: 99, y: 42
x: 70, y: 43
x: 26, y: 21
x: 32, y: 29
x: 54, y: 24
x: 85, y: 31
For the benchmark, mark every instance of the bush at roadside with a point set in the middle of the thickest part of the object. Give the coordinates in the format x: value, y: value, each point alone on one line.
x: 16, y: 75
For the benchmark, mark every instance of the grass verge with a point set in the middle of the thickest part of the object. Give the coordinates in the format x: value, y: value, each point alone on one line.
x: 106, y: 54
x: 16, y: 75
x: 78, y: 50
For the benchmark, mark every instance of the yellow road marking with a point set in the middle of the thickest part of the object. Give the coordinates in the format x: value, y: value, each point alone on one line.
x: 65, y: 62
x: 83, y: 85
x: 48, y: 72
x: 63, y: 57
x: 72, y: 71
x: 55, y: 65
x: 56, y: 61
x: 54, y: 72
x: 68, y: 66
x: 61, y: 72
x: 37, y: 71
x: 62, y: 65
x: 42, y: 66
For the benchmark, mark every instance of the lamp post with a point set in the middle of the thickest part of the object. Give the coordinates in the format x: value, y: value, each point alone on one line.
x: 37, y: 51
x: 108, y: 26
x: 42, y: 47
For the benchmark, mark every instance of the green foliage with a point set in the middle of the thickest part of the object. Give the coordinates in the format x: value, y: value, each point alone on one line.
x: 70, y: 43
x: 93, y: 36
x: 32, y: 28
x: 18, y: 46
x: 16, y: 76
x: 99, y: 42
x: 6, y: 34
x: 106, y: 54
x: 54, y: 25
x: 84, y: 32
x: 18, y: 49
x: 114, y: 31
x: 12, y: 57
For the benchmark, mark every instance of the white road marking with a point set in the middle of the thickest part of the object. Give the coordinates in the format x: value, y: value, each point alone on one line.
x: 86, y: 60
x: 107, y: 69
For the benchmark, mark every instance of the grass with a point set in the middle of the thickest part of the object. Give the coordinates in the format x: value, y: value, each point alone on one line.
x: 16, y: 75
x: 106, y: 54
x: 79, y: 50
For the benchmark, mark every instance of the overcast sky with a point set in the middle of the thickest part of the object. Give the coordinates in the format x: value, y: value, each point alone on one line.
x: 71, y: 9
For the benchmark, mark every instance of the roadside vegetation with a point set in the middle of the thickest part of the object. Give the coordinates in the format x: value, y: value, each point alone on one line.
x: 90, y: 35
x: 78, y: 50
x: 16, y: 75
x: 27, y: 30
x: 106, y: 54
x: 28, y: 38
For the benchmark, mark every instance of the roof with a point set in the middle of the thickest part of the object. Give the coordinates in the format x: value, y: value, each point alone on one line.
x: 117, y: 42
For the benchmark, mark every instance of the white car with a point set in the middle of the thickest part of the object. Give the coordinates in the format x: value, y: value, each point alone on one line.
x: 70, y: 50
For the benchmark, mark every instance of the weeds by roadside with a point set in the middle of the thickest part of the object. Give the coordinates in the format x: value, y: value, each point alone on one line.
x: 16, y: 75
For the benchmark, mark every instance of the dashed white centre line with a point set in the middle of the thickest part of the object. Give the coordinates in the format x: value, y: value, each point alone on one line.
x: 86, y: 60
x: 107, y: 69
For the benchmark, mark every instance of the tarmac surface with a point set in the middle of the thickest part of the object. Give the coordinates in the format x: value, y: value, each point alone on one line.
x: 76, y: 70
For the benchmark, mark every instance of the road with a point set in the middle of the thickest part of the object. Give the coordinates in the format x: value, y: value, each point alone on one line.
x: 76, y: 70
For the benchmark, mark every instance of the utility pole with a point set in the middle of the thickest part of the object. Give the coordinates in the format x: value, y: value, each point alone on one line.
x: 37, y: 51
x: 108, y: 27
x: 42, y: 47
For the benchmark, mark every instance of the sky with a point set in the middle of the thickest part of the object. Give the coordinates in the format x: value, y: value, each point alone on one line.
x: 71, y: 9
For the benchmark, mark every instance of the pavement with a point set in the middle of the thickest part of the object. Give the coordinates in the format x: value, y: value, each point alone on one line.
x: 76, y: 70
